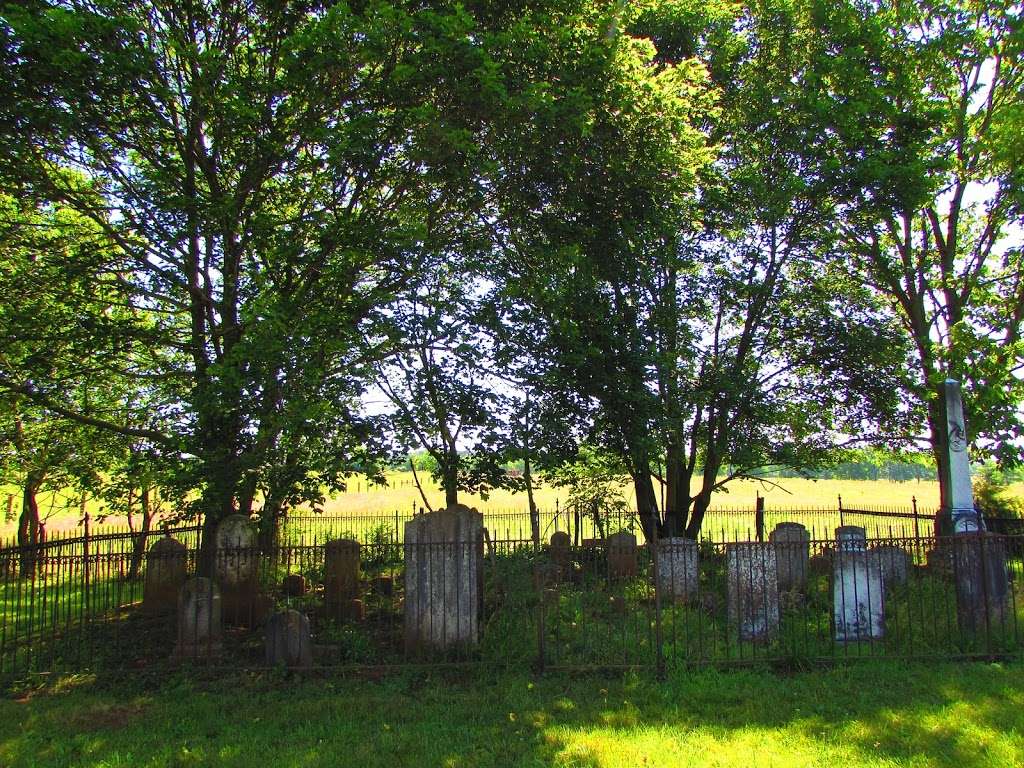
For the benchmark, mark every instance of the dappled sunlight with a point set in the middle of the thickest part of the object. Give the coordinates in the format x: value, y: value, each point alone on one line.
x: 871, y: 714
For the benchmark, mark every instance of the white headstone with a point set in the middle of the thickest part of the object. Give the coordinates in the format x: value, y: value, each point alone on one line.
x: 857, y: 593
x: 678, y: 568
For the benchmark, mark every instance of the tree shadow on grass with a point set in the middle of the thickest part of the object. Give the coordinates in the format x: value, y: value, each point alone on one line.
x: 969, y: 715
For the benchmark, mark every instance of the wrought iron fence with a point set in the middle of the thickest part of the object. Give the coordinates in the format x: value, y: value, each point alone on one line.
x: 605, y: 603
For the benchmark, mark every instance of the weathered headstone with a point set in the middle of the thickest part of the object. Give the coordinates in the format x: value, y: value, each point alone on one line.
x: 341, y: 574
x: 199, y: 620
x: 851, y: 538
x: 857, y: 592
x: 166, y: 565
x: 288, y: 640
x: 622, y: 556
x: 793, y: 552
x: 384, y: 585
x: 236, y: 565
x: 294, y: 585
x: 560, y: 551
x: 443, y: 579
x: 678, y: 569
x: 978, y: 558
x: 895, y: 564
x: 753, y: 590
x: 982, y: 582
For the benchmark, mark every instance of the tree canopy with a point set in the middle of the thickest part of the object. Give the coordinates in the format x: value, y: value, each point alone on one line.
x: 715, y: 240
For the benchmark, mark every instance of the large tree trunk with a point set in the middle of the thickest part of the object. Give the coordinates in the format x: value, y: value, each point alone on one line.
x: 534, y: 512
x: 139, y: 543
x: 646, y: 501
x: 677, y: 491
x: 29, y: 525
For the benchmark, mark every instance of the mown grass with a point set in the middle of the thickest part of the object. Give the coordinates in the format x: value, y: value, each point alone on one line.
x: 868, y: 714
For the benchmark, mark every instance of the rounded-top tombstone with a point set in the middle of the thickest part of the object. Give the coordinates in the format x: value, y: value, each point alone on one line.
x: 236, y: 555
x: 236, y: 569
x: 622, y: 560
x: 559, y: 549
x: 858, y: 594
x: 166, y: 566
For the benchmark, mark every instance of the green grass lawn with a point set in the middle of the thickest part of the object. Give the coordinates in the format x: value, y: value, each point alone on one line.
x: 871, y: 714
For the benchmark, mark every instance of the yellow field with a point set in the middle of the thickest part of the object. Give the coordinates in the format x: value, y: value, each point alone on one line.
x: 783, y: 493
x: 401, y: 494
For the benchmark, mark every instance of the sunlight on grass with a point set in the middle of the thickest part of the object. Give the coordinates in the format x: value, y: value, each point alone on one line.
x: 866, y: 715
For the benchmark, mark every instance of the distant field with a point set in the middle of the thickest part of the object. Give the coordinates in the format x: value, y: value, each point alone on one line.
x: 62, y: 511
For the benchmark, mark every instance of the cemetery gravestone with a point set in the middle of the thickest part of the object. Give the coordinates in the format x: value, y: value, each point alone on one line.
x: 559, y: 549
x: 753, y: 590
x: 199, y: 620
x: 678, y: 569
x: 236, y: 566
x: 978, y: 557
x: 895, y: 564
x: 341, y: 578
x: 856, y: 588
x: 289, y: 642
x: 793, y: 553
x: 622, y: 557
x: 166, y: 564
x: 443, y: 579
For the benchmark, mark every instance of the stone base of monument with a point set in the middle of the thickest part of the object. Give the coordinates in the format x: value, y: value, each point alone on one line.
x: 982, y: 582
x: 753, y: 590
x: 288, y: 641
x: 858, y: 597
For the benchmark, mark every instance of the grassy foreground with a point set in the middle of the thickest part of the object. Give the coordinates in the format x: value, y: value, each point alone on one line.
x: 967, y: 715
